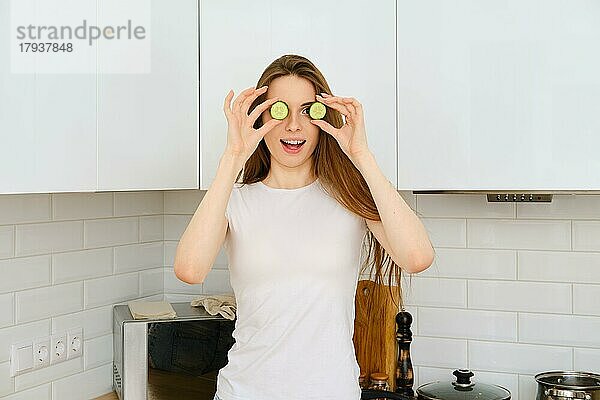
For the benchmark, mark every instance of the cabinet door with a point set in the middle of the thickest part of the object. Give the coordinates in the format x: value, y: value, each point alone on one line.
x: 356, y: 57
x: 498, y: 95
x: 47, y: 108
x: 147, y: 121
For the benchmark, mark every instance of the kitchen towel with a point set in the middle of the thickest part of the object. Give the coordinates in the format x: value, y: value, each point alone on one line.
x: 151, y: 310
x: 214, y: 304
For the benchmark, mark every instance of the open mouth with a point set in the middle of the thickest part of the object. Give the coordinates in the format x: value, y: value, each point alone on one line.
x: 293, y: 145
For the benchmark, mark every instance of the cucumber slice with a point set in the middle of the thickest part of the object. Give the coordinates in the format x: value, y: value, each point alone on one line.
x: 279, y: 110
x: 317, y: 110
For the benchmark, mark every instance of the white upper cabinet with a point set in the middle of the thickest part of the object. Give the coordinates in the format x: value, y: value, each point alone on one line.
x: 498, y: 95
x: 47, y: 118
x: 352, y: 45
x: 96, y: 129
x: 148, y: 122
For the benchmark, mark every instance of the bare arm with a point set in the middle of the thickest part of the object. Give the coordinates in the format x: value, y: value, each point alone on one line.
x: 203, y: 237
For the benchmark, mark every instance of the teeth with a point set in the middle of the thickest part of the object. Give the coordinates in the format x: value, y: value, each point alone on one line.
x: 293, y: 141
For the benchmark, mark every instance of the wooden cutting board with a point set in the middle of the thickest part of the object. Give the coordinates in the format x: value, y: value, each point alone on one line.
x: 375, y: 337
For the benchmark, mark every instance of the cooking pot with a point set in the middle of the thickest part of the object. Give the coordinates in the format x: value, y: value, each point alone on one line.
x: 566, y: 385
x: 462, y: 389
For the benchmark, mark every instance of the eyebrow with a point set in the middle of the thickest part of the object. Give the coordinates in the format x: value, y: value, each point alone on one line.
x: 307, y: 103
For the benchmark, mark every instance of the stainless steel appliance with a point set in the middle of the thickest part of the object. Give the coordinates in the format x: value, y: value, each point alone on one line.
x: 130, y: 346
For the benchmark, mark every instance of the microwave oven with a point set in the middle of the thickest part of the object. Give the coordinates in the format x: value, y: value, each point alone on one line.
x: 131, y: 367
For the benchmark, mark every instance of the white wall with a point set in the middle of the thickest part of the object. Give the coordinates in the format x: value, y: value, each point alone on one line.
x: 65, y: 259
x: 515, y: 289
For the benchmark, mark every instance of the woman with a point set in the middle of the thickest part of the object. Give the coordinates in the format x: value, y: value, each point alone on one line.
x: 293, y: 230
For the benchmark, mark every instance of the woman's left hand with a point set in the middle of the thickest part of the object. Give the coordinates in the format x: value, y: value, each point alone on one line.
x: 352, y: 136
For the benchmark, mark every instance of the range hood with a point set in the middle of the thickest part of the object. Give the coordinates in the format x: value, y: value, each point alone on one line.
x: 517, y: 196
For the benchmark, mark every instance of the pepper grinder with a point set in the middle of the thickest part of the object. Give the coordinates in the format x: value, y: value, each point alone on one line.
x: 404, y: 370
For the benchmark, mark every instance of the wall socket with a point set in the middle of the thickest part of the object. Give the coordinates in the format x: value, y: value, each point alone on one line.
x: 74, y: 343
x: 58, y: 347
x: 41, y: 352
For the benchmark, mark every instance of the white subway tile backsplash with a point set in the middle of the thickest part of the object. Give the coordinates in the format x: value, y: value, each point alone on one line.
x: 518, y: 358
x: 559, y: 266
x: 97, y: 351
x: 217, y: 282
x: 435, y: 292
x: 446, y: 232
x: 152, y: 281
x: 586, y: 299
x: 68, y: 206
x: 138, y: 257
x: 42, y: 392
x: 463, y: 206
x: 527, y: 387
x: 7, y: 384
x: 586, y: 235
x: 468, y: 324
x: 138, y: 203
x: 48, y: 237
x: 97, y: 383
x: 473, y: 264
x: 49, y: 301
x: 80, y: 265
x: 151, y: 228
x: 586, y: 360
x: 432, y: 374
x: 18, y: 333
x: 170, y: 249
x: 95, y: 322
x: 509, y: 382
x: 221, y: 262
x: 111, y: 289
x: 48, y: 374
x: 175, y: 297
x: 24, y: 273
x: 183, y: 201
x: 562, y: 206
x: 175, y: 225
x: 520, y: 296
x: 498, y: 299
x: 558, y: 329
x: 436, y: 352
x: 24, y: 208
x: 175, y: 286
x: 7, y: 241
x: 7, y: 306
x: 111, y: 232
x: 519, y: 234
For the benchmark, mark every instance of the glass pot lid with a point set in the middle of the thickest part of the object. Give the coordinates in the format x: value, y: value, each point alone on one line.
x: 462, y: 389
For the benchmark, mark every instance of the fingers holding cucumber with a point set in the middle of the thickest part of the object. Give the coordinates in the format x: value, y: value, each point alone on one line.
x: 242, y: 138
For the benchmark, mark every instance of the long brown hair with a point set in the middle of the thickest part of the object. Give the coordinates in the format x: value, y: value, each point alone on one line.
x: 338, y: 175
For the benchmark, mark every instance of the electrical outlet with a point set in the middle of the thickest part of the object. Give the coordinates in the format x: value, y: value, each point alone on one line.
x: 41, y: 352
x: 74, y: 343
x: 58, y: 348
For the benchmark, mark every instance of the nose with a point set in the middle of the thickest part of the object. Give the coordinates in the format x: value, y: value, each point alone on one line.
x: 293, y: 123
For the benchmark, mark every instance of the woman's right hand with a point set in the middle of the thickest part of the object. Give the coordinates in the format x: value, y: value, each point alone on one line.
x: 242, y: 138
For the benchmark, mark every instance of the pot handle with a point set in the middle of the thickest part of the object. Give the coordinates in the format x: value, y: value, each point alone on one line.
x: 570, y: 394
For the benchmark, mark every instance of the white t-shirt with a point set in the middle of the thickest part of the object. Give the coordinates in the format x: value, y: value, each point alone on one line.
x: 294, y: 261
